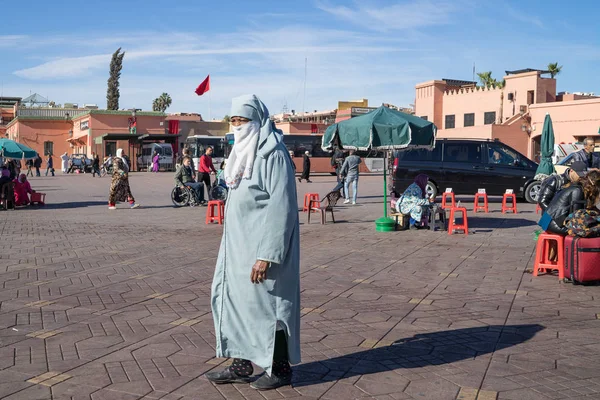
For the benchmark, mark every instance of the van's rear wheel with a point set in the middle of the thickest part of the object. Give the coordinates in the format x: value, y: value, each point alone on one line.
x: 532, y: 191
x: 431, y: 190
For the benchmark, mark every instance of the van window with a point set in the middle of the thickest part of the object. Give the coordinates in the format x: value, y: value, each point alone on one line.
x: 168, y: 151
x: 499, y: 154
x: 462, y: 152
x: 411, y: 155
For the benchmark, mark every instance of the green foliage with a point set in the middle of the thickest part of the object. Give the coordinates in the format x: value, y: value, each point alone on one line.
x: 112, y: 92
x: 161, y: 103
x: 554, y: 69
x: 227, y: 119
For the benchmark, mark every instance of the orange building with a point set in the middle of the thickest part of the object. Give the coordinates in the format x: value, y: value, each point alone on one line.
x: 55, y: 131
x: 513, y: 114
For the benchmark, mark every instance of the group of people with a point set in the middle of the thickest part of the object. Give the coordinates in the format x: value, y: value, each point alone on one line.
x: 563, y: 194
x: 22, y: 188
x: 185, y: 175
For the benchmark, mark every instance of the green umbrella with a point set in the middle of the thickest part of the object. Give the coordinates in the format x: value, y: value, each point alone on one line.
x: 11, y: 149
x: 381, y: 129
x: 547, y: 146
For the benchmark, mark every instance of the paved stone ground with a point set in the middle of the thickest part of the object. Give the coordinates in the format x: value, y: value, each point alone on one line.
x: 116, y: 305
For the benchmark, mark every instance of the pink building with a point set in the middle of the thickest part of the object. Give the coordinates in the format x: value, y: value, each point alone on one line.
x: 513, y: 114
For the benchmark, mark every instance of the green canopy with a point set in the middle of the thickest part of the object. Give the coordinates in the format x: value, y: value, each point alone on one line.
x: 11, y: 149
x: 547, y: 148
x: 381, y: 129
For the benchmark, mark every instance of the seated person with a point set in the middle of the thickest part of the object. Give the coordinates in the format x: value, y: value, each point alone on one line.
x: 551, y: 185
x: 184, y: 177
x: 4, y: 175
x: 572, y: 198
x: 22, y: 190
x: 414, y: 201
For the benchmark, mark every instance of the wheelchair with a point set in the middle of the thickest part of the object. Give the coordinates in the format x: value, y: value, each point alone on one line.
x: 182, y: 197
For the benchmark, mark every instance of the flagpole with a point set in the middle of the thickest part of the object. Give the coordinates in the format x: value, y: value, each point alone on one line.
x: 209, y: 106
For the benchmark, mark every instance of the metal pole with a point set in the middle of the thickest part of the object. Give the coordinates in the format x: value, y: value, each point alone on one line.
x: 385, y: 163
x: 304, y: 96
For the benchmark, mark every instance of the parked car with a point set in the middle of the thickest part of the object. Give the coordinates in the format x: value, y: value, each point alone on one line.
x: 77, y: 162
x: 466, y: 165
x: 565, y: 163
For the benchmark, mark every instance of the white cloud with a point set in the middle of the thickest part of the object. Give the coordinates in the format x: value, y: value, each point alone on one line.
x: 401, y: 16
x: 11, y: 40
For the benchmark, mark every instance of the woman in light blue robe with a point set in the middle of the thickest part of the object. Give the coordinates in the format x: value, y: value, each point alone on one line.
x: 256, y: 287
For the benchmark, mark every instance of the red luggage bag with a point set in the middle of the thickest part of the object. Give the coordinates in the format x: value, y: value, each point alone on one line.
x: 582, y: 259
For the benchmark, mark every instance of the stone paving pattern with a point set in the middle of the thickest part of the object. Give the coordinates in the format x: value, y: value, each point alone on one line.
x: 99, y: 304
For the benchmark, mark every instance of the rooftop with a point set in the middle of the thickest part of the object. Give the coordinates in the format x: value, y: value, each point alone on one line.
x: 525, y: 70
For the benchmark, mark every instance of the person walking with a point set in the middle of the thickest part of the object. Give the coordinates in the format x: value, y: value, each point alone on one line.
x: 155, y: 162
x: 206, y: 168
x: 587, y: 155
x: 256, y: 288
x: 337, y: 161
x: 49, y: 165
x: 119, y: 186
x: 96, y: 166
x: 350, y: 175
x: 305, y: 168
x: 29, y: 164
x: 65, y: 162
x: 37, y: 163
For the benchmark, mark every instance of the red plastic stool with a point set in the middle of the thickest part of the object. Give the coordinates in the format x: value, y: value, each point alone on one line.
x: 211, y: 216
x: 451, y: 194
x: 505, y: 207
x: 308, y: 197
x: 39, y: 198
x: 542, y: 263
x: 538, y: 209
x: 452, y: 226
x: 484, y: 207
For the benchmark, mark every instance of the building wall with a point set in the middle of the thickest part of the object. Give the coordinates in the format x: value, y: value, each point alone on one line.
x: 429, y: 101
x: 34, y: 133
x: 301, y: 128
x: 102, y: 123
x: 344, y: 105
x: 571, y: 120
x: 513, y: 136
x: 466, y: 101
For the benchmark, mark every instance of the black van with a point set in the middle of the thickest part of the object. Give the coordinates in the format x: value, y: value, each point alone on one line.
x: 466, y: 165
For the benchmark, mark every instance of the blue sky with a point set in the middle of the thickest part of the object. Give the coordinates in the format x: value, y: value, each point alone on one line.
x: 368, y: 49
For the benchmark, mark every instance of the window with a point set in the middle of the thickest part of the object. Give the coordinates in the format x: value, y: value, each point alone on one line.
x: 530, y: 95
x: 424, y: 117
x: 470, y: 119
x: 412, y: 155
x: 502, y: 155
x: 48, y: 148
x: 462, y: 152
x: 449, y: 122
x: 489, y: 117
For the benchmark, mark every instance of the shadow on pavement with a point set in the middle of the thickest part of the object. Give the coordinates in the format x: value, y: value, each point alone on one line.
x: 497, y: 223
x: 436, y: 348
x: 73, y: 204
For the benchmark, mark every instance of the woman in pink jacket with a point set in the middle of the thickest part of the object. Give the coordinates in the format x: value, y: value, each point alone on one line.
x: 22, y: 190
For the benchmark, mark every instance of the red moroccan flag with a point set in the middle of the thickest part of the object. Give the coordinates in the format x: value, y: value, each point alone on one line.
x: 203, y: 87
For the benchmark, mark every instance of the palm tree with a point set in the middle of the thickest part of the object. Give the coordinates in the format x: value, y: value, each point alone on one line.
x: 485, y: 78
x: 227, y: 119
x: 554, y: 69
x: 161, y: 103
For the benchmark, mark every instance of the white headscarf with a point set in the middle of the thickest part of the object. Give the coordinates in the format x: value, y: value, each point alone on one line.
x: 241, y: 160
x: 120, y: 155
x: 250, y: 139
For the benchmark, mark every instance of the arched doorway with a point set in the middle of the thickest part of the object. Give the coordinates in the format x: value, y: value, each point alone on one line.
x: 536, y: 148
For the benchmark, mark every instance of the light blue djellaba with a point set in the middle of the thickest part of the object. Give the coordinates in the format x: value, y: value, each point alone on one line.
x: 261, y: 223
